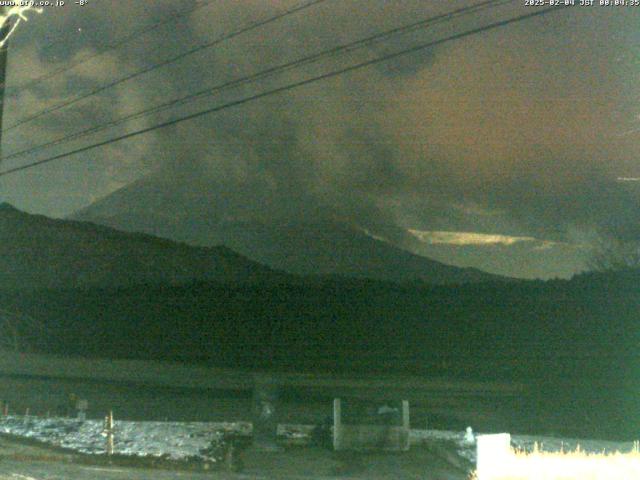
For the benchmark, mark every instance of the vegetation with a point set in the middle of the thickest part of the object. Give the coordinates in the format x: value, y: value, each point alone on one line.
x: 577, y: 340
x: 356, y: 324
x: 614, y: 254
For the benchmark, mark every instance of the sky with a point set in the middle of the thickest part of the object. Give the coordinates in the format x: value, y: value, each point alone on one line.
x: 510, y: 150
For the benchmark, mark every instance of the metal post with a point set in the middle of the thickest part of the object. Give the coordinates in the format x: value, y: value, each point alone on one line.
x: 406, y: 424
x: 337, y: 424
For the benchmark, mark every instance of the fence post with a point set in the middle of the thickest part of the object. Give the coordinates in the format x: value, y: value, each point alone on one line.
x: 406, y: 426
x: 406, y: 423
x: 108, y: 430
x: 81, y: 406
x: 337, y: 424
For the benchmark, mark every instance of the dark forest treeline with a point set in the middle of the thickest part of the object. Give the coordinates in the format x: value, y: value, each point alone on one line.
x: 586, y: 326
x: 575, y: 343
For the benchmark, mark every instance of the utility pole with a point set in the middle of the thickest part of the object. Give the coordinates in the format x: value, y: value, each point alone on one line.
x: 4, y: 53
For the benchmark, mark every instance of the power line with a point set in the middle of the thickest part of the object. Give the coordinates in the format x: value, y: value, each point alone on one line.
x: 125, y: 40
x: 269, y: 71
x: 291, y: 86
x: 168, y: 61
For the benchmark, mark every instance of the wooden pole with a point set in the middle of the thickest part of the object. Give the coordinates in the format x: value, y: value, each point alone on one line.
x: 4, y: 52
x: 108, y: 429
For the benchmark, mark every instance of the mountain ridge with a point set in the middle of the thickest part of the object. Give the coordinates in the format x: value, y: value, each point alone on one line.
x: 299, y: 239
x: 40, y: 252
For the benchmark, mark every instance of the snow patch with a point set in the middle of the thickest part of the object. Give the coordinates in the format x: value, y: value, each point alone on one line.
x: 173, y: 440
x: 190, y: 440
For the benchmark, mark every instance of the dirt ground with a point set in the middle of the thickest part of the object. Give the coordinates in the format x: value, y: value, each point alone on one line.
x: 20, y: 461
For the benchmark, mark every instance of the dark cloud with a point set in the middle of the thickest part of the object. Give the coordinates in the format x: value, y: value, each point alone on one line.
x: 513, y: 131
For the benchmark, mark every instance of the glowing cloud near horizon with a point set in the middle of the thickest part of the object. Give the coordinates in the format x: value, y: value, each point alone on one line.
x: 18, y: 12
x: 467, y: 238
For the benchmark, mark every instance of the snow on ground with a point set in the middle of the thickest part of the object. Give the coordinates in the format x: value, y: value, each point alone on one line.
x: 171, y: 439
x: 184, y: 440
x: 551, y: 444
x: 467, y: 449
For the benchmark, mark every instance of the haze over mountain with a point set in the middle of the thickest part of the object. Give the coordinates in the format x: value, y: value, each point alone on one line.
x: 295, y: 234
x: 37, y: 252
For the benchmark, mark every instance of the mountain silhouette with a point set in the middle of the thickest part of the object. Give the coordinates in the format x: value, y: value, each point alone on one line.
x: 40, y: 252
x: 289, y: 234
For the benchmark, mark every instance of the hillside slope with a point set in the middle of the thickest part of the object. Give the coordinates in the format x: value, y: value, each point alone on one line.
x: 39, y: 252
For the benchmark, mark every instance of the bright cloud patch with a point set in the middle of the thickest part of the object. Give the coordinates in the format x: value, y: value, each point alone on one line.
x: 466, y: 238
